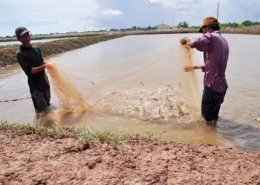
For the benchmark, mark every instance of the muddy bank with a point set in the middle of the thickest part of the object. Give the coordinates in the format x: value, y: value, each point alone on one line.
x: 248, y: 31
x: 7, y: 53
x: 58, y: 161
x: 35, y: 154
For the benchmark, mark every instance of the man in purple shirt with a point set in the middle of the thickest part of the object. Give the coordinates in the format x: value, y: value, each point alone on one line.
x: 215, y: 51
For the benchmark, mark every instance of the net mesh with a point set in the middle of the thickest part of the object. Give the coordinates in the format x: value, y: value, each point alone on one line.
x: 70, y: 100
x: 150, y: 87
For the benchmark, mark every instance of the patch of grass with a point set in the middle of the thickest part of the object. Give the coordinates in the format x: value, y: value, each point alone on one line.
x: 84, y: 136
x: 148, y: 136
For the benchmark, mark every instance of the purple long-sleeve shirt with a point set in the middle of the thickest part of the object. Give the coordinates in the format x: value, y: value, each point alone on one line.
x: 215, y: 50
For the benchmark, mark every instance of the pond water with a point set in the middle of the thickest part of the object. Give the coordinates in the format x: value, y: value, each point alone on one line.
x: 135, y: 85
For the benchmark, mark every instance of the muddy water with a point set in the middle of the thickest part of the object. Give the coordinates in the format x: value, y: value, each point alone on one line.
x: 134, y: 85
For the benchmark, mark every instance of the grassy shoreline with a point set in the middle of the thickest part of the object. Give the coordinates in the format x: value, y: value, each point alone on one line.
x: 7, y: 53
x: 57, y: 157
x: 84, y: 137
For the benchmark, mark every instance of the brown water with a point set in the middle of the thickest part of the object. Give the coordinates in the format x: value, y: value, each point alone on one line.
x: 135, y: 84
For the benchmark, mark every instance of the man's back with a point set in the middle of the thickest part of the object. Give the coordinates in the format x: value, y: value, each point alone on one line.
x: 215, y: 50
x: 216, y: 62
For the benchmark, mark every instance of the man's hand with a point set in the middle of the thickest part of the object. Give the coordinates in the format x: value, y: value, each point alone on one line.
x: 185, y: 41
x: 188, y: 68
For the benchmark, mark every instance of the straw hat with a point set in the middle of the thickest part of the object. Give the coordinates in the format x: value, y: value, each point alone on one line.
x: 207, y: 21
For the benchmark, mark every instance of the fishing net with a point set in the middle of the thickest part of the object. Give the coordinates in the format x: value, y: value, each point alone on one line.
x: 150, y: 86
x: 70, y: 100
x: 189, y: 81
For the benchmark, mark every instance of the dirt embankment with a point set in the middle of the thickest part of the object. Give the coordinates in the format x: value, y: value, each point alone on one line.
x: 8, y: 57
x: 55, y: 161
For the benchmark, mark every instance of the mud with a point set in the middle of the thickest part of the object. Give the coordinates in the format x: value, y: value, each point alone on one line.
x: 62, y: 161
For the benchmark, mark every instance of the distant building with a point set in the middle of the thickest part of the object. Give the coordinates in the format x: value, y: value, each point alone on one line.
x: 163, y: 27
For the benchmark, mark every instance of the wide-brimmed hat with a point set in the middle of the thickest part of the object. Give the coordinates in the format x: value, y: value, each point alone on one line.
x: 207, y: 21
x: 20, y: 31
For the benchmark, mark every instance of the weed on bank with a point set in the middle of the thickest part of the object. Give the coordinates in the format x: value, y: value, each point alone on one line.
x: 84, y: 136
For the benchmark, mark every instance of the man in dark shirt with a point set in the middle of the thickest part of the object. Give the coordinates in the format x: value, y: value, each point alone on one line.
x: 30, y: 59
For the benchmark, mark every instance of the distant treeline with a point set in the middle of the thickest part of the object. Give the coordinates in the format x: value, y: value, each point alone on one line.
x: 247, y: 24
x: 244, y: 25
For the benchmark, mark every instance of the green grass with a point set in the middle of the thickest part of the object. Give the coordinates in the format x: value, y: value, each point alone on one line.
x: 84, y: 136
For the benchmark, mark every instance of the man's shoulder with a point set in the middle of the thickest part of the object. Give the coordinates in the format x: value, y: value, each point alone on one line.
x: 35, y: 47
x: 21, y: 47
x: 24, y: 51
x: 216, y: 33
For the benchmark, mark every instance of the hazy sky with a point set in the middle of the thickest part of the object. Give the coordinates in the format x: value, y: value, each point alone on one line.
x: 61, y: 16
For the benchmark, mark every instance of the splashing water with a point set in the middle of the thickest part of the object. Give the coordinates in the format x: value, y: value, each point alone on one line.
x: 164, y: 104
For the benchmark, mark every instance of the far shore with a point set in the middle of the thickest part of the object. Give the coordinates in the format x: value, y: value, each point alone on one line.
x: 8, y: 57
x: 255, y: 31
x: 78, y: 40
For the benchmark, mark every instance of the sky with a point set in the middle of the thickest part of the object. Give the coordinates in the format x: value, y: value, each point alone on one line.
x: 61, y: 16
